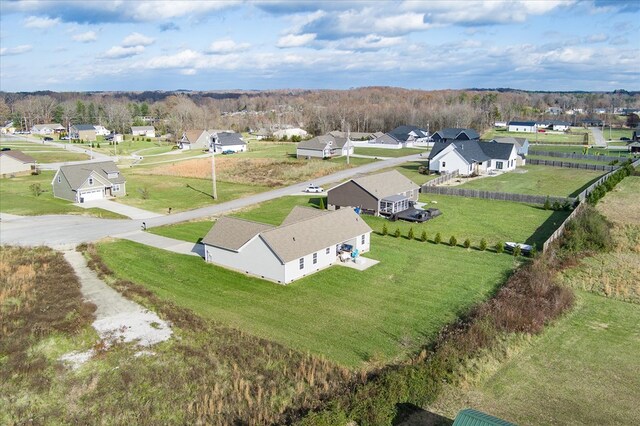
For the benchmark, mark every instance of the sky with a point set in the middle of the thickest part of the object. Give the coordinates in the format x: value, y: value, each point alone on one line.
x: 93, y: 45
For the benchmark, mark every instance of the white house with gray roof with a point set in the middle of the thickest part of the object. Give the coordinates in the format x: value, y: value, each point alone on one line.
x: 88, y: 181
x: 146, y: 131
x: 228, y: 141
x: 307, y: 241
x: 334, y: 144
x: 472, y: 157
x: 47, y: 128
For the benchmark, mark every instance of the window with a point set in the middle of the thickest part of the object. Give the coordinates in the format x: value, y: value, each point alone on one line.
x: 302, y: 263
x: 363, y: 238
x: 315, y: 258
x: 328, y: 250
x: 59, y: 179
x: 116, y: 187
x: 90, y: 181
x: 499, y: 165
x: 444, y: 164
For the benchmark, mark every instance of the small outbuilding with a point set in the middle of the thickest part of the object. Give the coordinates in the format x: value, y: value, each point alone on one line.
x: 471, y: 417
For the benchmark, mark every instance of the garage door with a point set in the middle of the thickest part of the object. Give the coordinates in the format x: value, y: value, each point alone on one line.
x: 94, y: 194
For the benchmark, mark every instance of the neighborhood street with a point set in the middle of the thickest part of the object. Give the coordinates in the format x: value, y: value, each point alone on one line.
x: 65, y: 230
x: 598, y: 137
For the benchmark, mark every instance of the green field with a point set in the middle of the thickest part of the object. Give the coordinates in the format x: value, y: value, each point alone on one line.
x: 16, y: 197
x: 537, y: 180
x: 352, y: 317
x: 622, y: 152
x: 58, y: 156
x: 382, y: 152
x: 410, y: 170
x: 616, y: 134
x: 577, y: 137
x: 566, y: 160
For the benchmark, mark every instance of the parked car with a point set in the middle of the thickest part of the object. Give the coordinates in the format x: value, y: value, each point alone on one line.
x: 65, y: 138
x: 228, y: 151
x: 313, y: 189
x: 47, y: 138
x: 524, y: 248
x: 624, y: 138
x: 5, y: 148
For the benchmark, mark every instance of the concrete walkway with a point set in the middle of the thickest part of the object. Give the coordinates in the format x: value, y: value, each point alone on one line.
x: 117, y: 318
x: 164, y: 243
x: 598, y: 137
x: 115, y: 207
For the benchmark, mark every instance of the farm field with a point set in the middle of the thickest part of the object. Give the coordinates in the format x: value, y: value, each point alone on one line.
x: 352, y: 317
x: 16, y: 197
x: 537, y: 180
x: 550, y: 138
x: 382, y: 152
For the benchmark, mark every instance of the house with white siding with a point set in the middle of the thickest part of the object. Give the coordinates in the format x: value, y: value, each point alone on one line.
x: 325, y: 146
x: 473, y: 157
x: 47, y: 128
x: 146, y: 131
x: 307, y: 241
x: 228, y: 142
x: 523, y: 126
x: 195, y: 139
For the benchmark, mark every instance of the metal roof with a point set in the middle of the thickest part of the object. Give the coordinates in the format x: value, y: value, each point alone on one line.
x: 471, y: 417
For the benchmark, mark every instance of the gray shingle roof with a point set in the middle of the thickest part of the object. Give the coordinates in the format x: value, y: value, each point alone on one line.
x: 402, y: 132
x: 320, y: 142
x: 385, y: 184
x: 19, y: 155
x: 518, y: 142
x: 80, y: 127
x: 387, y: 139
x: 77, y: 174
x: 456, y: 133
x: 475, y: 151
x: 522, y: 123
x: 302, y: 213
x: 231, y: 233
x: 230, y: 138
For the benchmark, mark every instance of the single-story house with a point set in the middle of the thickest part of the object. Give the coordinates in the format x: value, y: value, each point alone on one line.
x: 592, y: 122
x: 228, y: 141
x: 353, y: 136
x: 261, y: 133
x: 88, y: 181
x: 101, y: 130
x: 195, y: 139
x: 294, y: 131
x: 455, y: 134
x: 500, y: 124
x: 47, y: 128
x: 382, y: 193
x: 554, y: 110
x: 557, y: 125
x: 633, y: 146
x: 325, y: 146
x: 85, y: 132
x: 523, y: 126
x: 146, y: 131
x: 469, y: 157
x: 522, y: 144
x: 8, y: 128
x: 14, y: 163
x: 307, y: 240
x: 401, y: 137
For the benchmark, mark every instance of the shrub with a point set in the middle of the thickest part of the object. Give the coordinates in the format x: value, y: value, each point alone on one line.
x: 534, y: 251
x: 397, y: 233
x: 321, y: 205
x: 148, y: 139
x: 467, y: 243
x: 438, y: 238
x: 423, y: 170
x: 500, y: 247
x: 453, y: 241
x: 547, y: 203
x: 36, y: 189
x: 385, y: 230
x: 587, y: 231
x: 423, y: 236
x: 517, y: 251
x: 556, y: 206
x: 483, y: 244
x: 98, y: 145
x: 144, y: 193
x: 411, y: 234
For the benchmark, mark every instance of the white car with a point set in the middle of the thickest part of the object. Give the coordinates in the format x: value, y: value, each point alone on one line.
x: 314, y: 188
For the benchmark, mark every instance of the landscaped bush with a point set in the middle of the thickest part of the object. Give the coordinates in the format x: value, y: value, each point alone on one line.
x: 411, y: 235
x: 483, y: 244
x: 438, y: 238
x: 467, y: 243
x: 453, y: 241
x: 321, y: 205
x: 423, y: 236
x: 517, y: 251
x: 385, y: 230
x: 397, y: 233
x: 499, y: 247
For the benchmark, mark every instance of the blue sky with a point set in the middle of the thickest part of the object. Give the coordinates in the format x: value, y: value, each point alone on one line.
x: 212, y: 45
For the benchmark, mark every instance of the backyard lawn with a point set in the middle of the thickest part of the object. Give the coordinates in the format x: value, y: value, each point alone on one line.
x: 577, y: 137
x: 537, y: 180
x: 410, y: 170
x: 57, y: 156
x: 351, y: 317
x: 382, y: 152
x: 574, y: 149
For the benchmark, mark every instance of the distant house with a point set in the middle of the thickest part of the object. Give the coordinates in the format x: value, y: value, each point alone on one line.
x: 500, y: 124
x: 554, y: 110
x: 88, y: 181
x: 294, y: 131
x: 472, y: 157
x: 146, y: 131
x: 636, y: 134
x: 592, y: 122
x: 382, y: 193
x: 261, y: 133
x: 455, y: 134
x: 195, y: 139
x: 307, y: 241
x: 401, y: 137
x: 557, y: 125
x: 523, y: 126
x: 86, y: 132
x: 633, y: 147
x: 13, y: 163
x: 325, y: 146
x: 228, y: 141
x: 522, y: 144
x: 47, y: 128
x: 8, y: 128
x: 101, y: 130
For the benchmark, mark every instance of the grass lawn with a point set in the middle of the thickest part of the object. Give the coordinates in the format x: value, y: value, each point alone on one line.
x: 128, y: 146
x: 58, y: 156
x: 349, y: 316
x: 174, y: 156
x: 16, y: 197
x: 616, y: 134
x: 574, y: 149
x: 538, y: 180
x: 566, y: 160
x: 410, y: 170
x: 382, y: 152
x: 258, y: 149
x: 577, y: 137
x: 172, y: 191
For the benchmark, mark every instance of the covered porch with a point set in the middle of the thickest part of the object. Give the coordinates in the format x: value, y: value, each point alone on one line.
x: 394, y: 204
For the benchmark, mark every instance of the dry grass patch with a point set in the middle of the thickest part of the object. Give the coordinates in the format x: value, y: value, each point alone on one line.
x: 256, y: 171
x: 622, y: 204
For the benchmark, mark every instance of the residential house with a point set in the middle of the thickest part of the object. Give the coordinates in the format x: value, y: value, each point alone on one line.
x: 523, y: 126
x: 85, y: 132
x: 554, y: 110
x: 47, y: 128
x: 633, y: 146
x: 500, y: 124
x: 228, y: 141
x: 455, y: 134
x: 382, y: 193
x: 522, y: 144
x: 8, y: 128
x: 353, y: 136
x: 88, y: 181
x: 13, y: 163
x: 556, y: 125
x: 294, y: 131
x: 401, y: 137
x: 101, y: 130
x: 325, y: 146
x: 471, y: 417
x: 592, y: 122
x: 307, y: 241
x: 146, y: 131
x: 472, y: 157
x: 195, y: 139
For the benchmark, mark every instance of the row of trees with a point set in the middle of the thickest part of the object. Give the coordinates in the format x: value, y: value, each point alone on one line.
x: 368, y: 109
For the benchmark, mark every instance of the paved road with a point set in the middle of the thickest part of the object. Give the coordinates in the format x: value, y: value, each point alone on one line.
x: 65, y: 230
x: 598, y: 137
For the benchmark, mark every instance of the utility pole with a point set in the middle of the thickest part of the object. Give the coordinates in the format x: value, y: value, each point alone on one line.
x: 213, y: 171
x: 348, y: 143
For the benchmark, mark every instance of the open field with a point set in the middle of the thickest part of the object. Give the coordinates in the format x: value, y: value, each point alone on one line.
x: 58, y: 156
x: 563, y: 138
x: 259, y: 149
x: 616, y: 134
x: 382, y: 152
x: 351, y: 317
x: 538, y: 180
x: 16, y: 197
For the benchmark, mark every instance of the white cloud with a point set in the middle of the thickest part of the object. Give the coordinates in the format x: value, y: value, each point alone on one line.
x: 295, y: 40
x: 188, y: 71
x: 227, y: 46
x: 117, y: 52
x: 40, y: 23
x: 87, y: 37
x: 18, y: 50
x: 167, y: 9
x: 137, y: 39
x: 373, y: 41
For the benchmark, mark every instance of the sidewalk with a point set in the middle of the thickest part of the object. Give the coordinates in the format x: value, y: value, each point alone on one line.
x: 115, y: 207
x: 164, y: 243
